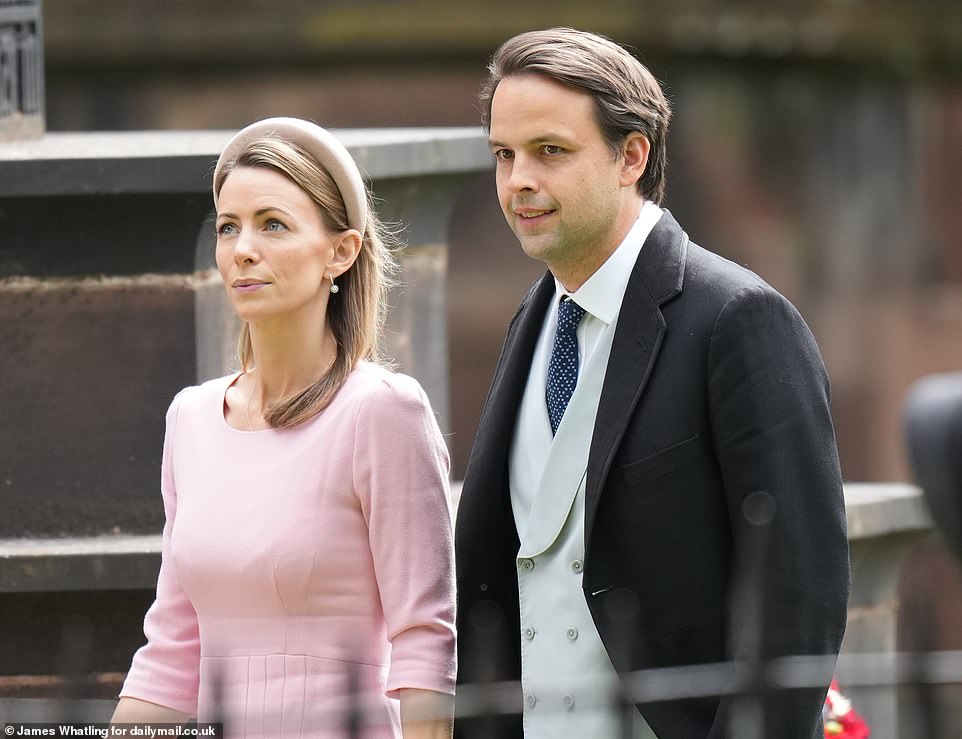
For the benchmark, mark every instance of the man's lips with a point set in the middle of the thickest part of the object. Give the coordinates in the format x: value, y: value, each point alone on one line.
x: 532, y: 212
x: 532, y: 215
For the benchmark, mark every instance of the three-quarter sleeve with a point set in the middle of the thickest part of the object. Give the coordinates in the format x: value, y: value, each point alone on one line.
x: 166, y: 669
x: 401, y: 477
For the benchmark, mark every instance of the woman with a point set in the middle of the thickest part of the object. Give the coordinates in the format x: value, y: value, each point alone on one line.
x: 307, y: 555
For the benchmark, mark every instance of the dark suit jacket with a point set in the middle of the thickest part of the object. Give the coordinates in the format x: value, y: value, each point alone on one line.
x: 715, y: 390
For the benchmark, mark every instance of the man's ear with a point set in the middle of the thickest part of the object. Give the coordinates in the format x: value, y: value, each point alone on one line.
x: 634, y: 152
x: 347, y: 245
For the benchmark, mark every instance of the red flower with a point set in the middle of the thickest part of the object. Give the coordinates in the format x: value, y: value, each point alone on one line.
x: 841, y: 720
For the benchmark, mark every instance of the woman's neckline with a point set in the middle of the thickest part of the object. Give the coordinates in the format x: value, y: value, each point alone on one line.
x: 232, y: 380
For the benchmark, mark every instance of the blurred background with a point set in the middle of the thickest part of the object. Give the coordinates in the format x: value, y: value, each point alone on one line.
x: 818, y: 143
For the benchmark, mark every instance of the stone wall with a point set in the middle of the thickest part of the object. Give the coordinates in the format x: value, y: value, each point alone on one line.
x: 109, y: 304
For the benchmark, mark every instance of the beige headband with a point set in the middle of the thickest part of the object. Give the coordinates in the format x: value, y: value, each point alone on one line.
x: 316, y: 141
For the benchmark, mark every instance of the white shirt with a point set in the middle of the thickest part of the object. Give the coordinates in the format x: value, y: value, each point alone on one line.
x: 565, y: 668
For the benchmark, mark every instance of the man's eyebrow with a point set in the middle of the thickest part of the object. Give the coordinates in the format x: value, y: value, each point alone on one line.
x: 545, y: 138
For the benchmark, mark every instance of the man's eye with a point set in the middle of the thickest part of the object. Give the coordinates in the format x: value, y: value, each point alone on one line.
x: 503, y: 154
x: 551, y: 149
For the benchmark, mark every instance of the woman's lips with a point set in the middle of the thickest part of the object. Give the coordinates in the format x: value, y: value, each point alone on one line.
x: 249, y: 287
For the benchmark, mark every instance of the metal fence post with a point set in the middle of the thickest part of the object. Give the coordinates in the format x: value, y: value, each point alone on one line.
x: 21, y: 70
x: 748, y: 615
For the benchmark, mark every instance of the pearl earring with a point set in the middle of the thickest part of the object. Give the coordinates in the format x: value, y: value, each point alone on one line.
x: 334, y: 287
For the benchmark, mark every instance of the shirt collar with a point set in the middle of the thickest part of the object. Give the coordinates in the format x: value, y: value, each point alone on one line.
x: 602, y: 293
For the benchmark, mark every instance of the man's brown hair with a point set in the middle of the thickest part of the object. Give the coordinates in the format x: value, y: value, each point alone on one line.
x: 627, y: 96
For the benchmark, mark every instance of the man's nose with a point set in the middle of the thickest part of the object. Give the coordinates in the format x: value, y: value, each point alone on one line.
x: 523, y: 175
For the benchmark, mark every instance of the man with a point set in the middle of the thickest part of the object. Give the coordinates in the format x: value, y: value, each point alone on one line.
x: 657, y: 427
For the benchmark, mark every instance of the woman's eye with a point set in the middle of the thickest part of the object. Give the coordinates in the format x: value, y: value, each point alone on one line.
x: 275, y: 225
x: 225, y: 228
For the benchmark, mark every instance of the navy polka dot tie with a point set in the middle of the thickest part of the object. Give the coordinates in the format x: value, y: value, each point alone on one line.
x: 563, y: 365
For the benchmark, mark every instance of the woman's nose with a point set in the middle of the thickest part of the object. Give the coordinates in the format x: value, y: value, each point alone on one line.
x: 245, y: 247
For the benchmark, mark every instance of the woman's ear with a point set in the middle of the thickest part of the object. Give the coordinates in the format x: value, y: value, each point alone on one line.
x: 347, y: 246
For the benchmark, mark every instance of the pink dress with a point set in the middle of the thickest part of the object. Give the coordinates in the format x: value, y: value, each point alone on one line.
x: 299, y: 562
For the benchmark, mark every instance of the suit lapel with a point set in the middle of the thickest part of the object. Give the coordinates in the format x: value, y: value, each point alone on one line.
x: 657, y: 277
x: 500, y: 412
x: 564, y: 468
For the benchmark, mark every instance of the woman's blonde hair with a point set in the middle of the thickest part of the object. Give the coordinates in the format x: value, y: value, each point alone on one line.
x: 356, y: 313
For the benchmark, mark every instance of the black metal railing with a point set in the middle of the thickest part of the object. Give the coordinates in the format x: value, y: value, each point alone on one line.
x: 751, y: 684
x: 755, y: 683
x: 21, y: 68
